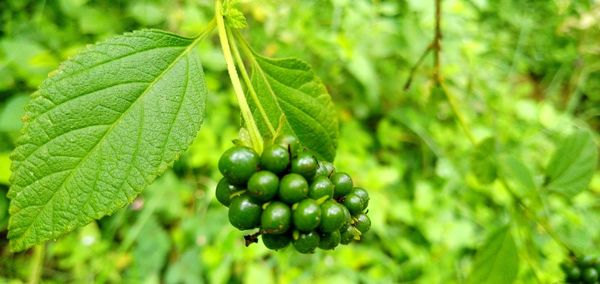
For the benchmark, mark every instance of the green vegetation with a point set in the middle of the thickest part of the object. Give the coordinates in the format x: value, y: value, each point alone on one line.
x: 472, y: 127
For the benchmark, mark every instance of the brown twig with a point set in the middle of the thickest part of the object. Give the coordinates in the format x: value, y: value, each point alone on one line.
x: 436, y: 44
x: 417, y: 64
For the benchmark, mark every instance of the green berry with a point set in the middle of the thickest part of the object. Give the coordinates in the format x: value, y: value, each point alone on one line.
x: 354, y: 203
x: 573, y: 274
x: 289, y: 142
x: 276, y: 242
x: 586, y: 261
x: 307, y: 215
x: 263, y: 186
x: 276, y: 218
x: 332, y: 216
x: 363, y: 223
x: 305, y: 164
x: 238, y: 164
x: 321, y: 186
x: 224, y: 191
x: 329, y: 240
x: 275, y: 158
x: 342, y: 184
x: 244, y: 212
x: 307, y: 242
x: 363, y: 194
x: 293, y: 188
x: 590, y: 275
x: 325, y: 168
x: 347, y: 235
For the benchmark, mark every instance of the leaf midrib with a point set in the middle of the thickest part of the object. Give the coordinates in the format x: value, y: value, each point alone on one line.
x: 150, y: 85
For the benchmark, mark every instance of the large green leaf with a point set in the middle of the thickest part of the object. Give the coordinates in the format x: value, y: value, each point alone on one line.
x: 100, y: 129
x: 289, y: 87
x: 573, y: 164
x: 497, y: 260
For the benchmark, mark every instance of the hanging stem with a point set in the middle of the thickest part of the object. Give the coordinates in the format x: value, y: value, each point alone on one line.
x: 256, y: 139
x: 246, y: 78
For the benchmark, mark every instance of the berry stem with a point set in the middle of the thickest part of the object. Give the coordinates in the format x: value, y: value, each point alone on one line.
x: 247, y: 50
x: 246, y: 78
x: 255, y: 137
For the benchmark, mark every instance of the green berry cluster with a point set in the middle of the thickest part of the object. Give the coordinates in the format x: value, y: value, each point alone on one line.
x: 291, y: 197
x: 584, y: 269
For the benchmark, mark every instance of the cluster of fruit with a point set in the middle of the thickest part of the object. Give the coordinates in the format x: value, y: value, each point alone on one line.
x: 291, y: 197
x: 583, y: 270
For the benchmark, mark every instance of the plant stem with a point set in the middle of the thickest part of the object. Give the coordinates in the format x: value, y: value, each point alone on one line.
x: 411, y: 74
x: 246, y: 78
x: 37, y: 264
x: 255, y: 137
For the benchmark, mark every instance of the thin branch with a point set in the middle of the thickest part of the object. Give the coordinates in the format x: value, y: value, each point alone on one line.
x: 417, y: 64
x: 436, y: 44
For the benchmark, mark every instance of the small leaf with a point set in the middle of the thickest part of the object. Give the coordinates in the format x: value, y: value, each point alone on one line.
x: 235, y: 18
x: 289, y: 87
x: 497, y: 261
x: 100, y: 129
x: 573, y: 164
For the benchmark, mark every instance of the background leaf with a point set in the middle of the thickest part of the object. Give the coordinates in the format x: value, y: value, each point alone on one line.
x: 497, y: 260
x: 518, y: 176
x: 573, y: 164
x: 150, y: 253
x: 289, y: 87
x: 100, y: 129
x: 484, y: 161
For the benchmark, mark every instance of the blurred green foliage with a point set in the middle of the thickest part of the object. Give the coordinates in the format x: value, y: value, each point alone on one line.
x: 525, y: 75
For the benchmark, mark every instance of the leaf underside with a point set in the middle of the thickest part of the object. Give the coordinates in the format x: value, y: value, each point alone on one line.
x: 100, y: 129
x: 289, y: 87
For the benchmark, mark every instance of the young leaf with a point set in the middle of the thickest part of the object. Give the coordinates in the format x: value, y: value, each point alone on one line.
x: 573, y: 164
x: 497, y: 261
x: 289, y: 87
x: 100, y: 129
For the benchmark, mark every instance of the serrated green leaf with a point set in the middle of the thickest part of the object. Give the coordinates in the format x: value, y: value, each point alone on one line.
x: 573, y: 164
x: 289, y: 87
x: 497, y: 260
x: 100, y: 129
